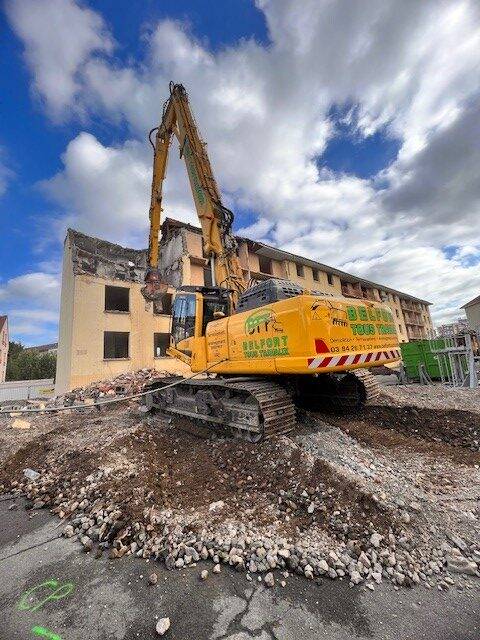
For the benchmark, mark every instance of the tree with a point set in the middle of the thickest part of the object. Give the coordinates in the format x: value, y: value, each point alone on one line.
x: 29, y: 365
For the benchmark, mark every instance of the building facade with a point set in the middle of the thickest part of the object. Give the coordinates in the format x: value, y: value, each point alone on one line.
x: 106, y: 326
x: 4, y: 340
x: 472, y: 310
x: 460, y: 325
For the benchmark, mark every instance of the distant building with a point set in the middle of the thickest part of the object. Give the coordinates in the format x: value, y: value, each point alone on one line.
x: 3, y: 347
x: 106, y: 326
x: 44, y: 348
x: 472, y: 309
x: 460, y: 325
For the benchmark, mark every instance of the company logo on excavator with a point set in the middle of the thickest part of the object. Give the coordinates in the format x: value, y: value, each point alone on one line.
x: 260, y: 320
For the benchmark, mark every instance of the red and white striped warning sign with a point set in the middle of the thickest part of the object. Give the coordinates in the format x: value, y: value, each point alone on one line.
x: 357, y: 358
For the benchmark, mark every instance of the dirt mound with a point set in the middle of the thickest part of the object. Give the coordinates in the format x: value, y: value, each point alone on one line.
x: 332, y: 499
x: 424, y: 430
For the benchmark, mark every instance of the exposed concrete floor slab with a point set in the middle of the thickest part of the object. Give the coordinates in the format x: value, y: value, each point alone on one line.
x: 113, y: 600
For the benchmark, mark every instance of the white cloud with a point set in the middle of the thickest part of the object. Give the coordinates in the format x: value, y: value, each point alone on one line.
x: 105, y: 191
x: 31, y: 302
x: 59, y: 37
x: 410, y: 69
x: 43, y: 288
x: 34, y: 314
x: 6, y: 172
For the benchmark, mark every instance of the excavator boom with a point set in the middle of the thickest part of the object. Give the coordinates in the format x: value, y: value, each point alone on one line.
x: 220, y: 245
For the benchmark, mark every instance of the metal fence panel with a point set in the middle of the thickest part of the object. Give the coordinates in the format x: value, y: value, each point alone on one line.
x: 25, y: 389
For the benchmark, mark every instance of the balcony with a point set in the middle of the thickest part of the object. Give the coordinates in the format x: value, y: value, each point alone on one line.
x: 407, y: 305
x: 350, y: 291
x: 413, y: 318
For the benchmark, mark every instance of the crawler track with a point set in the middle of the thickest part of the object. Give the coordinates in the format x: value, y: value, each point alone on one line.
x: 256, y: 408
x: 251, y: 408
x: 368, y: 380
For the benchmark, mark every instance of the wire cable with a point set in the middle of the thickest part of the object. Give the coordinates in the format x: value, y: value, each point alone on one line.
x: 113, y: 400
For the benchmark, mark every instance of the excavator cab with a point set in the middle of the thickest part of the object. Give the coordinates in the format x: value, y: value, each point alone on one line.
x: 193, y: 308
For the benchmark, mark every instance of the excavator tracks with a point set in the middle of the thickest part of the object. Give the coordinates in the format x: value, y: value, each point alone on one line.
x: 369, y: 382
x: 257, y: 408
x: 252, y: 409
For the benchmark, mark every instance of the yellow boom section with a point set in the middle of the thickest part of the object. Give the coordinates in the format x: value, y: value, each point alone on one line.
x: 216, y: 220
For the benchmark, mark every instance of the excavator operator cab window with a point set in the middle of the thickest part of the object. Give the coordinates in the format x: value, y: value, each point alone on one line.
x: 212, y: 308
x: 183, y: 317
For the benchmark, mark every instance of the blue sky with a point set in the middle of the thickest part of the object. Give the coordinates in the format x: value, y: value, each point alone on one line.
x: 330, y: 132
x: 33, y: 145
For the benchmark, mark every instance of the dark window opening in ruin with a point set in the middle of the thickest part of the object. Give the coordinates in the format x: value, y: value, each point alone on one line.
x: 265, y: 265
x: 207, y: 277
x: 115, y: 345
x: 164, y: 307
x: 161, y: 342
x: 300, y: 270
x: 117, y: 299
x: 315, y: 275
x: 330, y: 279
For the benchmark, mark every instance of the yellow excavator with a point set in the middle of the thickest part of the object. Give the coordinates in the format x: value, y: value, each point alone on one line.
x: 272, y: 345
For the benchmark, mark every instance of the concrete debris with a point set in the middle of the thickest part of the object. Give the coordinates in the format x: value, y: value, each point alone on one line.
x: 163, y: 625
x: 20, y: 424
x: 457, y: 563
x: 269, y: 579
x: 125, y: 384
x: 320, y: 504
x: 31, y: 474
x: 153, y: 578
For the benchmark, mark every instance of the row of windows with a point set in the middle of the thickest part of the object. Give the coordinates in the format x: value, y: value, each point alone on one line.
x: 117, y: 299
x: 116, y: 345
x: 265, y: 265
x: 315, y: 274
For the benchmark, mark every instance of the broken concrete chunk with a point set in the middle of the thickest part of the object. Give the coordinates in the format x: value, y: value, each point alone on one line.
x: 375, y: 540
x: 458, y: 542
x: 163, y: 625
x: 21, y: 424
x: 269, y: 579
x: 216, y: 506
x: 460, y: 564
x: 31, y: 474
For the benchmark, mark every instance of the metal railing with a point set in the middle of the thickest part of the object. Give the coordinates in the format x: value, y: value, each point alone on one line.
x: 458, y: 360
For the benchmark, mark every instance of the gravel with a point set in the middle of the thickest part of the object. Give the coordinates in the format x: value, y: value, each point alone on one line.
x: 324, y: 503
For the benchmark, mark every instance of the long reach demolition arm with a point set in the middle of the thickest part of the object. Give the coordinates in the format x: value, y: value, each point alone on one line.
x: 220, y: 245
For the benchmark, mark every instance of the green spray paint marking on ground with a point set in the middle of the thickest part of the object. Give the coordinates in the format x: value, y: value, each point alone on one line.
x: 45, y: 633
x: 58, y: 592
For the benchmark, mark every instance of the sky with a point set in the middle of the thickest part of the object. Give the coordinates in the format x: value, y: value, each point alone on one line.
x: 343, y: 130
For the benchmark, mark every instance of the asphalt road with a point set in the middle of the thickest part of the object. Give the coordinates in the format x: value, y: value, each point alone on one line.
x: 53, y: 590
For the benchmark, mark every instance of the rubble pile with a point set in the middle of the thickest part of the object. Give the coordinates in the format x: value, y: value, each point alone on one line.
x: 361, y: 555
x: 125, y: 384
x: 335, y: 500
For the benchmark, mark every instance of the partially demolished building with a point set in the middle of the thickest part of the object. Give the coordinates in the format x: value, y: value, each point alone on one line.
x: 107, y: 327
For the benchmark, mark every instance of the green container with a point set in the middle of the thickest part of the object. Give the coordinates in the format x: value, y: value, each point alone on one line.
x: 420, y: 351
